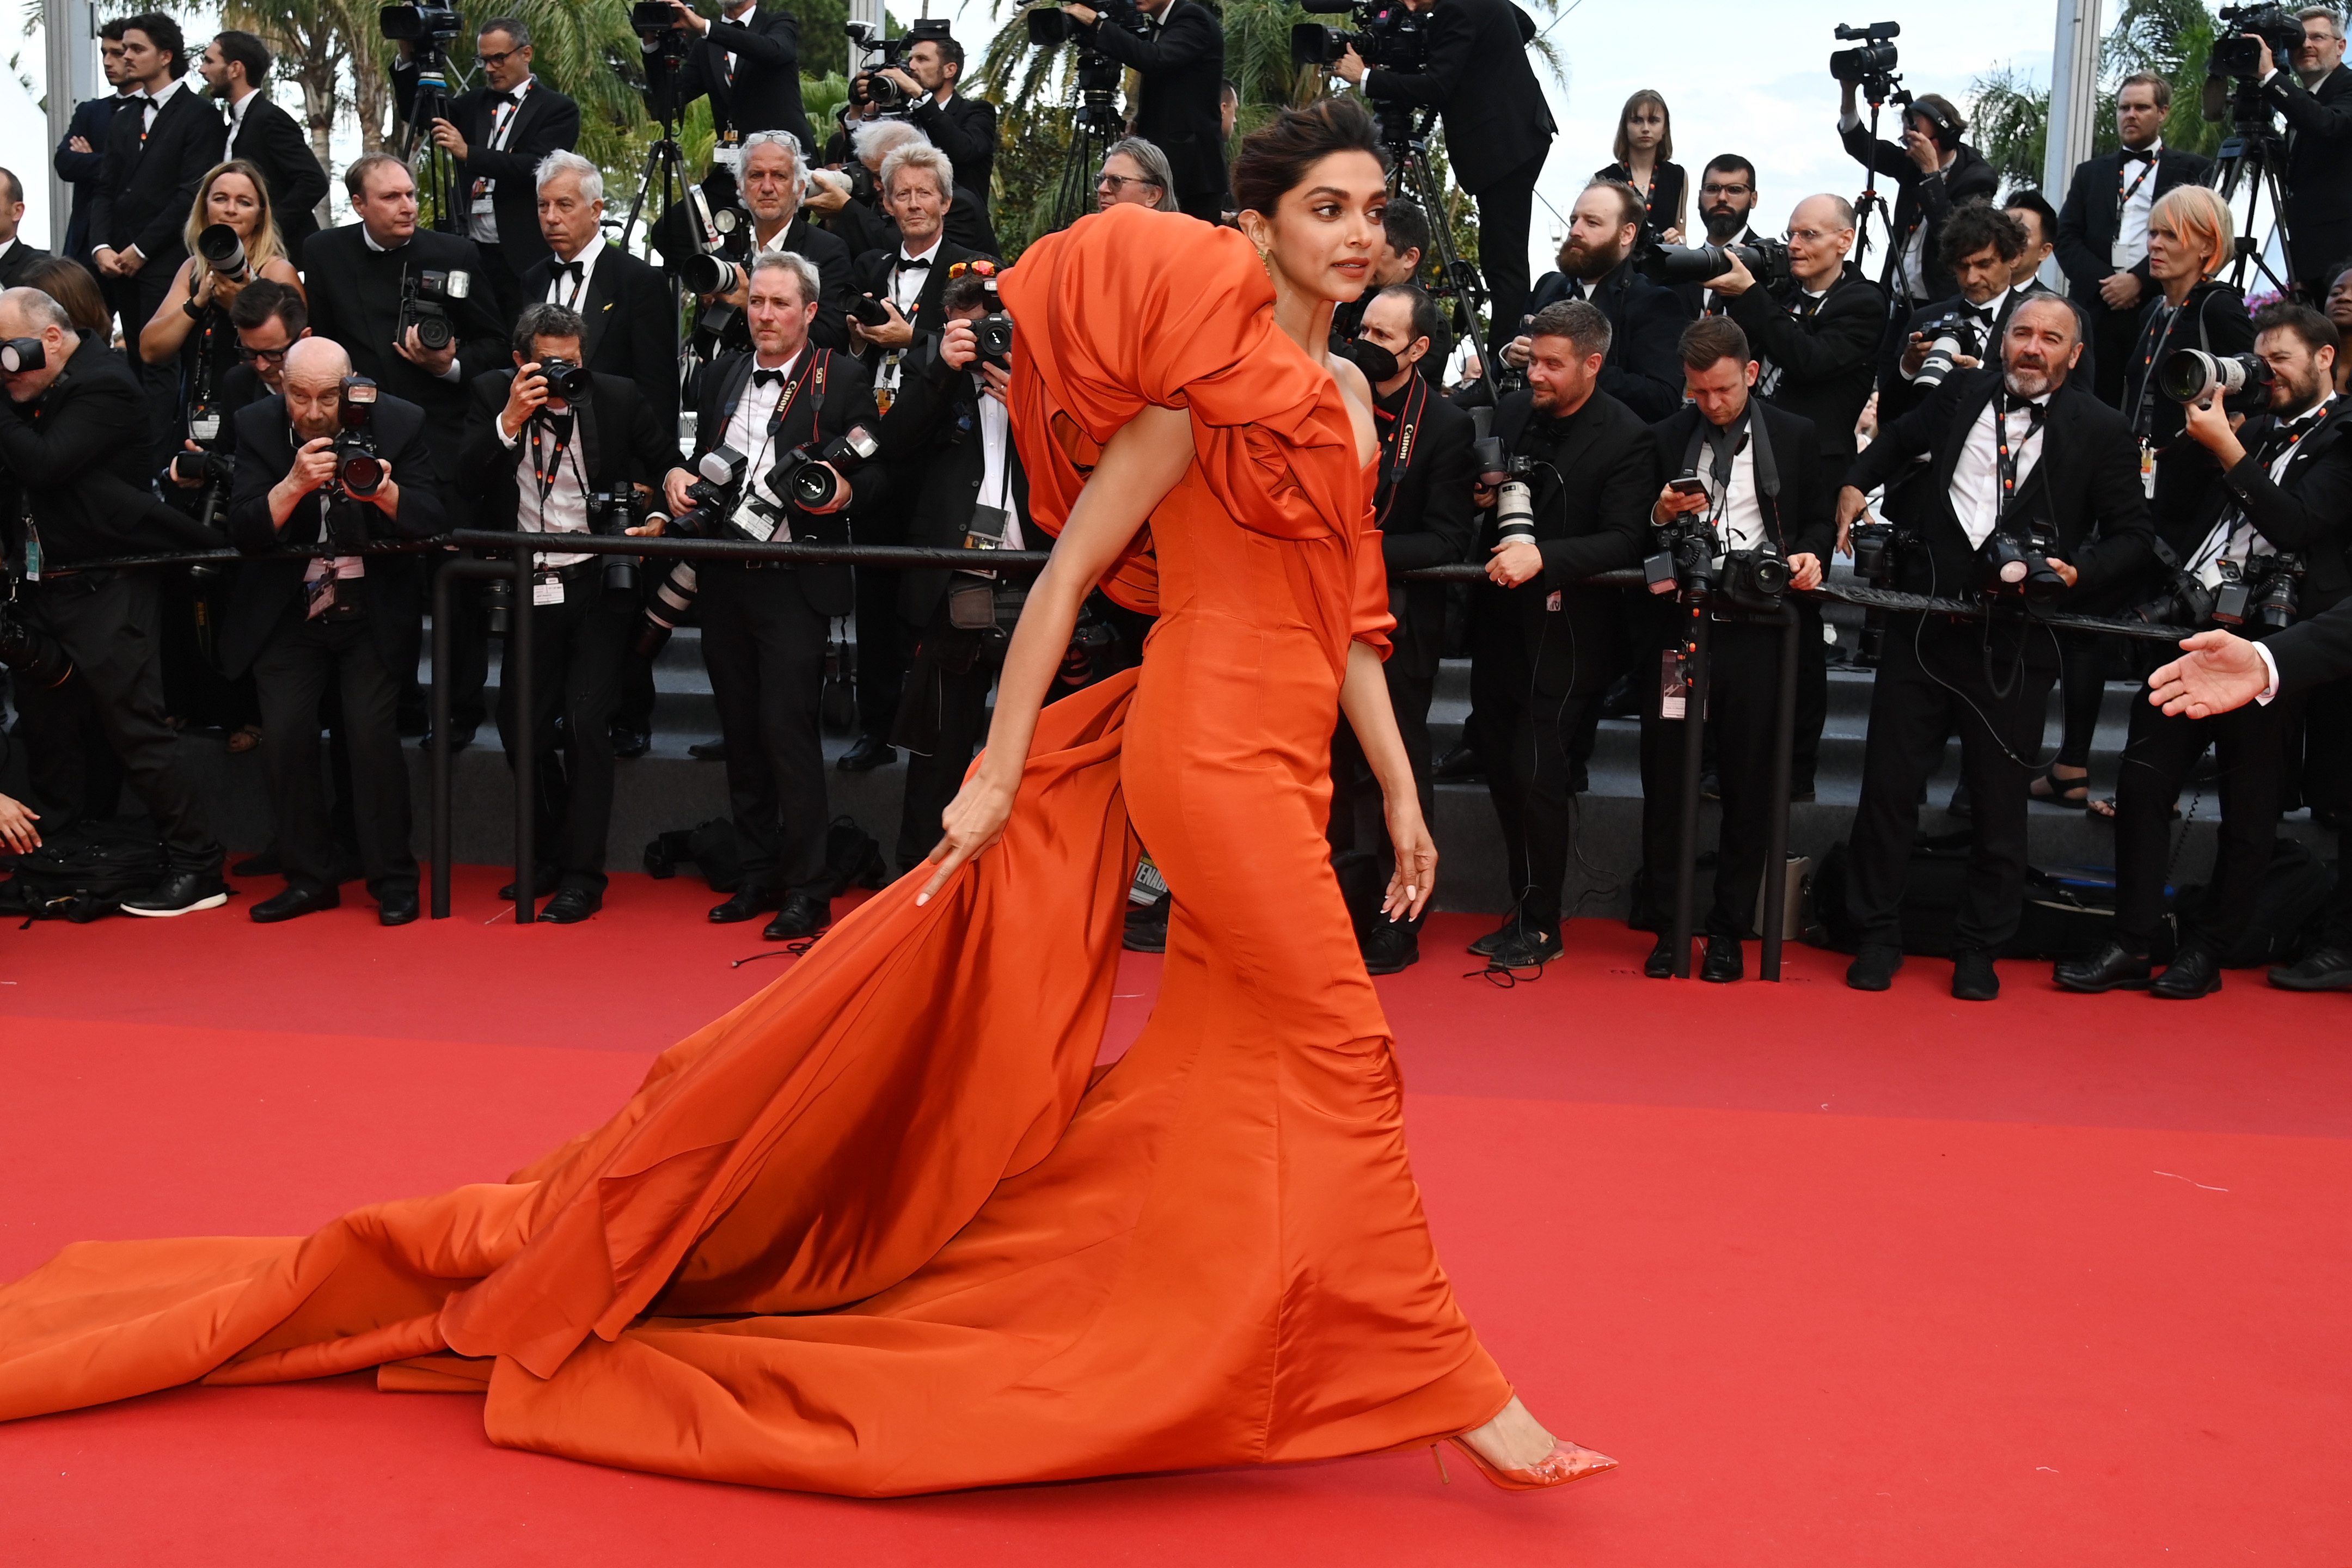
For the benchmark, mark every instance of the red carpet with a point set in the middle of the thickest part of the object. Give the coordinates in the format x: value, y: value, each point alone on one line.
x: 1841, y: 1279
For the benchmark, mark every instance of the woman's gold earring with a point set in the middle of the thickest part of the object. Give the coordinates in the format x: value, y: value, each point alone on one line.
x: 1265, y: 259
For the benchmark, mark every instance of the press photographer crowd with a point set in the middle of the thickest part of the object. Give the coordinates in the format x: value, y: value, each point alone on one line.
x: 2029, y: 428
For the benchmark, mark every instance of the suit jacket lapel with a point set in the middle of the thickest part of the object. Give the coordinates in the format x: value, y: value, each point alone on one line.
x: 584, y: 432
x: 1955, y: 440
x: 596, y: 306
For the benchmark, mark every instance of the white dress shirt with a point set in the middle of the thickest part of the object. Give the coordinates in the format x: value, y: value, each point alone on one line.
x: 996, y: 476
x: 906, y: 282
x: 747, y: 432
x: 482, y: 220
x: 560, y: 289
x: 344, y: 567
x: 2131, y: 225
x: 564, y: 509
x: 154, y: 104
x: 236, y: 121
x: 1976, y: 478
x: 2234, y: 536
x: 1739, y: 516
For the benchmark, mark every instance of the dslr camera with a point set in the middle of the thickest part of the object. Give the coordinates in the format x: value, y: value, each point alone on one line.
x: 1878, y: 550
x: 1507, y: 474
x: 566, y: 380
x: 223, y: 252
x: 1388, y: 35
x: 2242, y: 382
x: 1950, y: 337
x: 32, y: 655
x: 1767, y: 261
x: 2185, y: 602
x: 2258, y: 592
x: 359, y: 470
x: 885, y: 95
x: 615, y: 512
x: 717, y: 474
x: 426, y: 296
x: 2018, y: 567
x: 804, y: 476
x: 1870, y: 63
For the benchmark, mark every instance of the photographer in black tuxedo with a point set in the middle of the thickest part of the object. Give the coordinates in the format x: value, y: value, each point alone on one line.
x: 1427, y: 518
x: 2032, y: 494
x: 541, y: 459
x: 80, y: 156
x: 763, y: 625
x: 1979, y: 247
x: 1498, y: 131
x: 1180, y: 60
x: 1934, y: 171
x: 963, y: 127
x: 73, y: 442
x: 2315, y: 97
x: 235, y: 67
x: 340, y: 621
x: 496, y: 134
x: 1763, y: 483
x: 2103, y: 228
x: 1545, y: 650
x: 358, y: 276
x: 947, y: 438
x: 621, y: 302
x: 2283, y: 497
x: 775, y: 184
x: 1646, y: 320
x: 748, y: 63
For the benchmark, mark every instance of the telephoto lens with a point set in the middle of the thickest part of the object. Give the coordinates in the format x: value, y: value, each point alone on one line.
x: 223, y: 252
x: 871, y: 311
x: 1515, y: 512
x: 1948, y: 340
x: 673, y: 602
x: 2192, y: 376
x: 19, y: 355
x: 709, y: 274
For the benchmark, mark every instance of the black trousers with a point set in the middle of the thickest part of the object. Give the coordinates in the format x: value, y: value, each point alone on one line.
x: 296, y: 669
x: 1812, y: 697
x: 110, y: 625
x: 764, y: 646
x: 882, y: 644
x: 1506, y: 208
x: 576, y: 648
x: 2082, y: 688
x: 1359, y: 810
x: 1744, y: 698
x: 2114, y: 335
x: 469, y: 652
x: 2156, y: 762
x: 1522, y: 740
x: 941, y: 723
x: 1914, y: 708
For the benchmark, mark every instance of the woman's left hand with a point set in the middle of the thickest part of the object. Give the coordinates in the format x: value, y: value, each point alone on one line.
x: 1416, y: 858
x: 223, y: 290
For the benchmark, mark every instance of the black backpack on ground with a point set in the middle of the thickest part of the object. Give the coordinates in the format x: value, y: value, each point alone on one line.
x: 84, y: 872
x: 2057, y: 923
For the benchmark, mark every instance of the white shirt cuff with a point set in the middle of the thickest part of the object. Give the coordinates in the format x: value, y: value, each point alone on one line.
x: 454, y: 373
x: 1848, y: 122
x: 2268, y: 693
x: 499, y: 424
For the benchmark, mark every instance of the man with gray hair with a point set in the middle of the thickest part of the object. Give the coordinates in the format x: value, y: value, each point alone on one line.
x: 764, y: 623
x: 774, y: 183
x: 2314, y: 91
x: 862, y: 221
x: 622, y: 302
x: 496, y: 134
x: 73, y: 440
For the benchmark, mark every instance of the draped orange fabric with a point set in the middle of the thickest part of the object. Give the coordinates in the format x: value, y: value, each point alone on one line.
x: 874, y: 1232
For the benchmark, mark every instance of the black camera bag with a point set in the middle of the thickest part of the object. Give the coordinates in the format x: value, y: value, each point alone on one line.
x: 85, y: 872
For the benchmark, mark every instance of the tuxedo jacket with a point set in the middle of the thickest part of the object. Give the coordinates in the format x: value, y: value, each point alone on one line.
x: 2319, y: 166
x: 838, y: 393
x: 965, y: 130
x: 2087, y: 222
x: 1802, y: 518
x: 150, y: 183
x: 627, y: 312
x: 2084, y: 488
x: 618, y: 439
x: 18, y: 261
x: 764, y: 90
x: 870, y: 274
x: 93, y: 121
x: 931, y: 440
x: 1922, y: 199
x: 1644, y: 367
x: 1897, y: 396
x: 2308, y: 510
x: 273, y: 142
x: 1426, y: 514
x: 861, y: 228
x: 1181, y: 62
x: 544, y: 122
x: 1478, y: 78
x: 355, y: 300
x: 2310, y: 653
x: 268, y: 595
x: 78, y: 456
x: 2213, y: 318
x: 1827, y: 356
x: 1591, y: 507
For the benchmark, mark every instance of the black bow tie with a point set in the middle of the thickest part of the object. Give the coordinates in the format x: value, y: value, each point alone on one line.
x: 571, y: 270
x: 907, y: 261
x: 767, y: 378
x: 511, y: 99
x: 2304, y: 424
x: 2143, y: 155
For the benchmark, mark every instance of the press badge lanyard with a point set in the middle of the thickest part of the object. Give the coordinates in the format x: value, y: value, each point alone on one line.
x: 547, y: 466
x: 2035, y: 414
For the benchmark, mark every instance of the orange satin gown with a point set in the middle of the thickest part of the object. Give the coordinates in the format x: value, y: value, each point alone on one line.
x: 876, y: 1231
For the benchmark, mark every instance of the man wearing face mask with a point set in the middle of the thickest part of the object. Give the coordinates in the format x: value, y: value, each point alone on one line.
x: 2020, y: 462
x: 1646, y: 322
x: 1763, y: 480
x: 1544, y: 650
x: 1426, y: 519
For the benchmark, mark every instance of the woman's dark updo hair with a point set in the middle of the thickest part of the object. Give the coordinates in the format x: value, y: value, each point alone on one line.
x: 1274, y: 160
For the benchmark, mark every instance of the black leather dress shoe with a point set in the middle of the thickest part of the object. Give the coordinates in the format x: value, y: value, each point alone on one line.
x: 2114, y: 967
x: 803, y: 914
x: 571, y: 906
x: 1390, y: 949
x: 1974, y: 979
x: 1460, y: 765
x: 543, y: 881
x: 2323, y: 969
x: 458, y: 740
x: 180, y: 893
x: 1874, y: 966
x: 397, y: 908
x: 870, y: 753
x: 748, y: 904
x: 708, y: 751
x: 2195, y: 972
x: 297, y: 899
x: 1527, y: 948
x: 1724, y: 963
x: 628, y: 742
x: 1485, y: 946
x: 1660, y: 964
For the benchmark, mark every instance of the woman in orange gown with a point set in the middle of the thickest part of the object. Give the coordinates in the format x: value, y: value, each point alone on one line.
x: 881, y: 1231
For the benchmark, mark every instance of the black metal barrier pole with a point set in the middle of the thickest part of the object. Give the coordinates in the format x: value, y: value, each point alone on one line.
x: 517, y: 668
x: 1694, y: 650
x: 1776, y: 831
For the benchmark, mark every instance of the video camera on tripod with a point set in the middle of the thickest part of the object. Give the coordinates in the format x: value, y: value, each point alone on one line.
x: 2235, y: 66
x: 1389, y: 35
x: 1870, y: 64
x: 2254, y: 154
x: 888, y: 98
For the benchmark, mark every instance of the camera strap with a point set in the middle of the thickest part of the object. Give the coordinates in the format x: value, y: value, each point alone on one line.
x: 2125, y: 194
x: 551, y: 438
x: 2005, y: 455
x: 1398, y: 449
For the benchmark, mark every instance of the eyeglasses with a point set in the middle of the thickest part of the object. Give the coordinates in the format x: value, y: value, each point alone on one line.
x: 501, y: 58
x: 1115, y: 184
x: 1715, y: 190
x: 261, y: 356
x: 1807, y: 236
